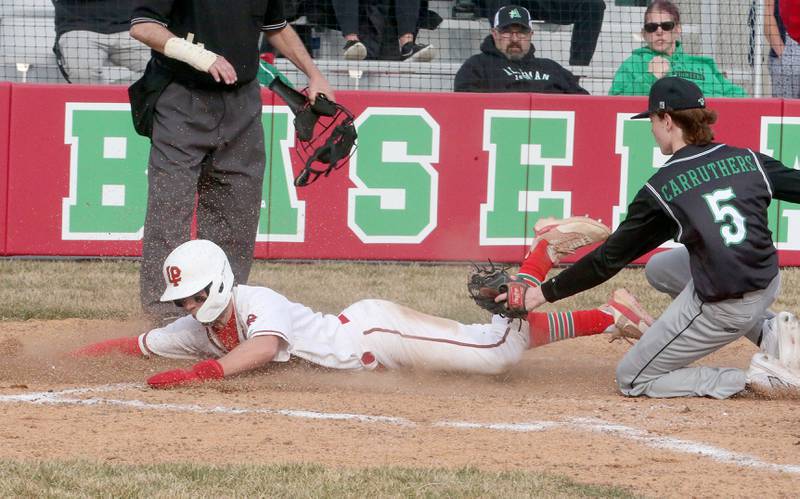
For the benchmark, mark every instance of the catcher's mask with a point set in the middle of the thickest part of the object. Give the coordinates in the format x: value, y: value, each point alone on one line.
x: 326, y: 138
x: 195, y: 266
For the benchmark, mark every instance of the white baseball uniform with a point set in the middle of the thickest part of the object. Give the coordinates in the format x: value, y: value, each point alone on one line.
x: 366, y: 335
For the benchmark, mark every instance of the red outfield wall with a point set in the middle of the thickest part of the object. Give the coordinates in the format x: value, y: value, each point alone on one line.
x: 435, y: 177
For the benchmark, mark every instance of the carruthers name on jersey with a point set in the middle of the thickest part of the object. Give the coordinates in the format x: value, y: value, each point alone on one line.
x: 700, y: 175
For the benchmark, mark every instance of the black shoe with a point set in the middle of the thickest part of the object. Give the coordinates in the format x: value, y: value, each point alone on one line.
x: 465, y: 9
x: 354, y: 50
x: 416, y: 52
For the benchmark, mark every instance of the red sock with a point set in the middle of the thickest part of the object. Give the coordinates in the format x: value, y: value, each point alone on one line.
x: 549, y: 327
x: 537, y: 264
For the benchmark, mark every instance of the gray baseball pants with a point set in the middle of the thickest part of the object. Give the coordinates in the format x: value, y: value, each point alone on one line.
x: 657, y: 366
x: 87, y: 55
x: 207, y: 145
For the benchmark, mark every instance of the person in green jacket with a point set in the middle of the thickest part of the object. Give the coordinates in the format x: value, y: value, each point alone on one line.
x: 664, y: 56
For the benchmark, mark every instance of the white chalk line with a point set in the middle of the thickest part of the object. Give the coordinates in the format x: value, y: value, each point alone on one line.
x: 593, y: 425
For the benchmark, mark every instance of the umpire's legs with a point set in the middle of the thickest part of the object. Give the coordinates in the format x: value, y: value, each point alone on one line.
x: 688, y: 331
x: 230, y: 190
x: 182, y: 138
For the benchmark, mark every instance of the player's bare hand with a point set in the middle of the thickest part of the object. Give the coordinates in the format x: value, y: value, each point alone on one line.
x: 222, y: 70
x: 319, y: 85
x: 658, y: 66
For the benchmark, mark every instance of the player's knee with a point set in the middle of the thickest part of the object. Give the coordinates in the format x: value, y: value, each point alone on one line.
x: 658, y: 274
x: 625, y: 377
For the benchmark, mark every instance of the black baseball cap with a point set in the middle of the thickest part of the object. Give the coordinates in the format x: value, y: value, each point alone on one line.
x: 511, y: 14
x: 673, y: 94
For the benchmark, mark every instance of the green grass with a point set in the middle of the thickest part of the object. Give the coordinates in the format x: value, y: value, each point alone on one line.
x: 108, y: 289
x: 86, y: 479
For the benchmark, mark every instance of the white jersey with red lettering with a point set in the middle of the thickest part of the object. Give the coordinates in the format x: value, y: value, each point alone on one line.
x: 367, y: 334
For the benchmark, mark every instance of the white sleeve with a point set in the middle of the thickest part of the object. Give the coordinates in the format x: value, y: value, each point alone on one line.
x: 269, y: 314
x: 185, y: 338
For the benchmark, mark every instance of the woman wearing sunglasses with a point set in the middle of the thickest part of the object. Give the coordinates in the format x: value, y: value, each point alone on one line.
x: 664, y: 56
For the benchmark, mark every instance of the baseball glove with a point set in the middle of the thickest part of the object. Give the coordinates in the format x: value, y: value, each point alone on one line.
x: 488, y: 281
x: 325, y: 133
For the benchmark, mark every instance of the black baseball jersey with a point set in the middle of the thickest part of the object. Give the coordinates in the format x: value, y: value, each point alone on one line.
x: 714, y: 200
x: 230, y: 29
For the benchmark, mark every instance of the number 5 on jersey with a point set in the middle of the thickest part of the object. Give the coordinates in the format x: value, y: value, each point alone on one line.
x: 733, y: 230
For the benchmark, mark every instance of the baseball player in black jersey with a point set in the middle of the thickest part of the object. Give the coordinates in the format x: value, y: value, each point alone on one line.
x: 713, y: 199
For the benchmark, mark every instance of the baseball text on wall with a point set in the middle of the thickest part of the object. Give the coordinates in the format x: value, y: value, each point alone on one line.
x: 435, y: 176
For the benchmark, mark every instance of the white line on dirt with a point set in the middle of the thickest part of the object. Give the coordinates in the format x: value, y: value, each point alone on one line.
x: 584, y: 424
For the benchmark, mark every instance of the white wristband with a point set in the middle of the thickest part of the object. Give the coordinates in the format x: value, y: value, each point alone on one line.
x: 193, y: 55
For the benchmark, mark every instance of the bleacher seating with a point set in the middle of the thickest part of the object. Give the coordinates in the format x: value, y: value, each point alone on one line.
x: 27, y: 34
x: 26, y: 38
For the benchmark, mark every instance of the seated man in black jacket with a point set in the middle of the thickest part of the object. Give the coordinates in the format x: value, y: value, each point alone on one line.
x: 507, y: 62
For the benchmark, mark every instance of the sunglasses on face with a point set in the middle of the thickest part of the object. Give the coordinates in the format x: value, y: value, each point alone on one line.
x: 653, y: 27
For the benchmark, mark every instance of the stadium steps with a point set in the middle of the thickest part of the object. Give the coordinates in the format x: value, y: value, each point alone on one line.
x: 27, y: 34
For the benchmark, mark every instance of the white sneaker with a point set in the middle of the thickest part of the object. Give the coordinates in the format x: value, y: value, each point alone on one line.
x: 566, y: 235
x: 354, y: 50
x: 768, y: 373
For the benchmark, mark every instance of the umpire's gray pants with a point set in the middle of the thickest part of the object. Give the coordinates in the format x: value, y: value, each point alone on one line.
x: 687, y: 331
x: 208, y: 145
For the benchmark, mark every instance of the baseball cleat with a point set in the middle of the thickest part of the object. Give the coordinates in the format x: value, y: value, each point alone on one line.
x: 630, y: 317
x: 769, y: 337
x: 788, y: 341
x: 768, y: 373
x: 780, y: 339
x: 566, y: 235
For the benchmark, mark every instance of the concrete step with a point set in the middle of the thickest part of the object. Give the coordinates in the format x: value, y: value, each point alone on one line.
x: 30, y: 8
x: 27, y: 39
x: 36, y: 73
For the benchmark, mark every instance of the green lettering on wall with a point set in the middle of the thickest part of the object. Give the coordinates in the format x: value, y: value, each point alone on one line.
x: 780, y: 138
x: 523, y: 149
x: 282, y: 214
x: 108, y: 181
x: 640, y: 158
x: 396, y: 195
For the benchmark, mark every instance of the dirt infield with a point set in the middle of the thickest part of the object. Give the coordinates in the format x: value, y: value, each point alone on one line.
x: 557, y: 412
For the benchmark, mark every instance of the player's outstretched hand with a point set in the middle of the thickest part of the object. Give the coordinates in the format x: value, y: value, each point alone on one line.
x: 202, y: 371
x: 127, y: 346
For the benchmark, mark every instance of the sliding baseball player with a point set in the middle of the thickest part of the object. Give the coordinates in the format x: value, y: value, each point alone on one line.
x: 232, y: 328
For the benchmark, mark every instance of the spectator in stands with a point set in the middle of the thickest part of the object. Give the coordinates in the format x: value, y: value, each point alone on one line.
x: 585, y: 15
x: 507, y: 62
x: 664, y: 56
x: 784, y: 54
x: 407, y: 16
x: 93, y: 35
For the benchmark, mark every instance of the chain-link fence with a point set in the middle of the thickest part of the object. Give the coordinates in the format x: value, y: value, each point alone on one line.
x: 724, y: 43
